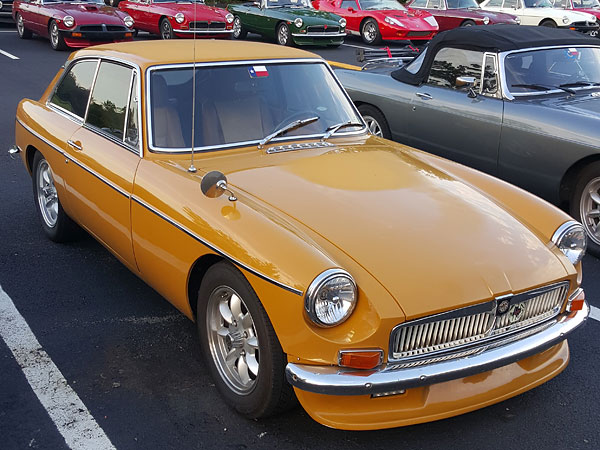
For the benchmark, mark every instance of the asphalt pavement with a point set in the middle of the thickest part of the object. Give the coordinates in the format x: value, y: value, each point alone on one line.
x: 134, y: 361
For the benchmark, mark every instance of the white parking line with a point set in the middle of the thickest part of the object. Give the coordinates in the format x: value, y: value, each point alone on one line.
x: 360, y: 46
x: 2, y: 52
x: 65, y: 408
x: 595, y: 313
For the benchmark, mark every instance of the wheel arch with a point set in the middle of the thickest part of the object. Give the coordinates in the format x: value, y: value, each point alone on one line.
x: 30, y: 152
x: 196, y: 275
x: 548, y: 19
x: 569, y: 179
x: 364, y: 19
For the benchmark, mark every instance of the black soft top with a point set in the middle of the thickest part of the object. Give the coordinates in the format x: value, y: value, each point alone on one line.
x: 494, y: 38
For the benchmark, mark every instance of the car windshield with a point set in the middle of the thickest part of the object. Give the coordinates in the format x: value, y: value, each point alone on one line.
x: 586, y: 4
x: 538, y: 4
x: 245, y: 103
x: 289, y: 4
x: 564, y: 68
x: 462, y: 4
x: 381, y: 5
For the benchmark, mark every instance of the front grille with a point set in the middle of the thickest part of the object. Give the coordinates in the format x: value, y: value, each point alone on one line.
x: 116, y: 28
x: 204, y: 25
x: 322, y: 29
x: 87, y: 28
x: 465, y: 330
x: 418, y: 33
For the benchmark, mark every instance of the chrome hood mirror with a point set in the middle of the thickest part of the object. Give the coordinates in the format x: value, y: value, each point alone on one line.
x: 214, y: 184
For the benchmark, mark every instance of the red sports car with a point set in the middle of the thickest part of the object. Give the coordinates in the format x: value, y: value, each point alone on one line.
x: 461, y: 13
x: 377, y: 20
x: 170, y: 18
x: 72, y: 23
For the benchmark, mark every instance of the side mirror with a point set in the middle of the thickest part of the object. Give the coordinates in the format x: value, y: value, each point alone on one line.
x: 214, y: 184
x: 256, y: 4
x: 467, y: 83
x: 350, y: 9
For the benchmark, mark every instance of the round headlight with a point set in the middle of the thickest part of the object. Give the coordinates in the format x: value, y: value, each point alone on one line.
x: 570, y: 238
x: 128, y: 21
x: 298, y: 22
x: 342, y: 22
x: 565, y: 20
x: 486, y: 20
x: 1, y: 5
x: 330, y: 298
x: 69, y: 21
x: 179, y: 17
x: 229, y: 18
x: 518, y: 20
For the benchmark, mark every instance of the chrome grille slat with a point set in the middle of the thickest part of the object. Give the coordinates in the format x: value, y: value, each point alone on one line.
x: 448, y: 332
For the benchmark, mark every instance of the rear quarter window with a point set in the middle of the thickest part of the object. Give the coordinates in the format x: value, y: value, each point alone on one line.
x: 73, y: 91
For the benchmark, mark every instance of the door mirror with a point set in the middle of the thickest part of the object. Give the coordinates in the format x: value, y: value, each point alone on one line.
x: 214, y: 184
x: 256, y: 4
x: 351, y: 9
x: 467, y: 83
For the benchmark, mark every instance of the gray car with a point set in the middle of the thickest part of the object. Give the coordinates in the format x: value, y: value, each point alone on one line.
x: 520, y: 103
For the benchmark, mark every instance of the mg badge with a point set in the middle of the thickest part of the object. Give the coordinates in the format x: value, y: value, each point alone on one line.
x: 503, y: 306
x: 515, y: 312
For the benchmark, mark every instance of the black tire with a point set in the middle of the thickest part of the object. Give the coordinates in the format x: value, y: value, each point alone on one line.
x: 166, y: 30
x: 239, y: 32
x: 57, y: 41
x: 548, y: 23
x: 468, y: 23
x: 270, y: 392
x: 370, y: 33
x: 23, y: 32
x: 62, y: 229
x: 283, y: 35
x: 373, y: 116
x: 114, y: 3
x: 582, y: 200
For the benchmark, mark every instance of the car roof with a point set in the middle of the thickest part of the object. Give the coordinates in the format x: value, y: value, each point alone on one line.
x: 151, y: 53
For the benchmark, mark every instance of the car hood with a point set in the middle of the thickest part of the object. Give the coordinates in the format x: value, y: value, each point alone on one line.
x: 585, y: 103
x: 558, y: 13
x: 90, y: 13
x: 309, y: 15
x: 431, y: 240
x: 593, y: 12
x: 202, y: 11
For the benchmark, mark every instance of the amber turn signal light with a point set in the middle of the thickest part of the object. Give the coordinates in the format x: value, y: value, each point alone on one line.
x: 360, y: 359
x: 76, y: 34
x: 576, y: 302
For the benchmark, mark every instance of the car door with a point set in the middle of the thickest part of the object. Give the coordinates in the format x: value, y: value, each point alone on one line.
x: 105, y: 153
x: 349, y: 10
x: 448, y: 120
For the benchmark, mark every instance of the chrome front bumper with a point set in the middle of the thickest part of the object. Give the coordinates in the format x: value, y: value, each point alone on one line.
x: 319, y: 35
x: 203, y: 31
x: 335, y: 380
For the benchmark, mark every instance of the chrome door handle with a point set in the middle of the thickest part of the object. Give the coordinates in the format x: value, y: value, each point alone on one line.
x: 74, y: 144
x: 424, y: 96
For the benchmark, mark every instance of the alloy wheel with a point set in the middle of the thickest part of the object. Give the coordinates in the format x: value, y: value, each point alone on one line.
x: 46, y: 194
x: 373, y: 126
x: 232, y: 339
x: 370, y: 32
x: 54, y: 34
x: 20, y: 25
x: 237, y: 27
x: 283, y: 35
x: 166, y: 30
x: 589, y: 208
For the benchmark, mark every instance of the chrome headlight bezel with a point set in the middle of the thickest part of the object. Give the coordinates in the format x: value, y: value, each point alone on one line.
x: 567, y: 231
x: 1, y: 5
x: 179, y: 18
x: 317, y: 285
x: 69, y: 21
x: 486, y: 20
x: 342, y: 22
x: 229, y: 18
x: 565, y: 20
x: 298, y: 22
x: 517, y: 20
x: 128, y: 21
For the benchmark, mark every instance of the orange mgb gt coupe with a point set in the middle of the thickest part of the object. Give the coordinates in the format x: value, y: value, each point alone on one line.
x: 377, y: 285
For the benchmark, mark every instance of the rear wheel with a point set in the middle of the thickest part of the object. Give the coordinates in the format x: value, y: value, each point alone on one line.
x: 24, y: 33
x: 467, y: 23
x: 283, y: 34
x: 370, y: 32
x: 238, y: 30
x: 240, y: 346
x: 585, y: 205
x: 57, y: 42
x: 375, y: 121
x: 166, y: 30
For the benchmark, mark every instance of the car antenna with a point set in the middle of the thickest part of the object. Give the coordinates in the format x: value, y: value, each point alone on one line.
x: 192, y: 168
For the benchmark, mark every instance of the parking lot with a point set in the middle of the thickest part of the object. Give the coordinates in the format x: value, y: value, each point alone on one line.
x: 134, y: 362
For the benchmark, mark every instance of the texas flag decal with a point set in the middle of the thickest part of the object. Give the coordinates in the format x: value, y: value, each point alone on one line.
x: 258, y: 71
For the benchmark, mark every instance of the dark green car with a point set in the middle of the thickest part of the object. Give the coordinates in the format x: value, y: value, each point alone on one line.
x: 288, y: 22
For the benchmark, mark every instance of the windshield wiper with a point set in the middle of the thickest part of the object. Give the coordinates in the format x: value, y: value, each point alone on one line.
x: 334, y: 128
x: 290, y: 126
x: 544, y: 87
x: 580, y: 83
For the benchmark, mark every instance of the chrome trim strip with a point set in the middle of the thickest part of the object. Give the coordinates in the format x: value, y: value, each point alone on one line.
x: 212, y: 247
x: 93, y: 85
x: 210, y: 148
x: 563, y: 229
x: 309, y: 300
x: 319, y: 34
x: 203, y: 32
x: 334, y: 380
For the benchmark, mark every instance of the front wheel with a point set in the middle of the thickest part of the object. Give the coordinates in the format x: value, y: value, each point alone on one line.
x: 585, y: 205
x: 283, y: 34
x: 238, y: 30
x: 375, y: 120
x: 549, y: 23
x: 23, y: 32
x: 240, y: 346
x: 56, y: 224
x: 467, y: 23
x: 370, y: 32
x: 57, y: 41
x: 166, y: 30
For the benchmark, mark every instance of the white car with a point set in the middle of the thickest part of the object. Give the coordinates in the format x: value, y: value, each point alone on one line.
x: 542, y: 12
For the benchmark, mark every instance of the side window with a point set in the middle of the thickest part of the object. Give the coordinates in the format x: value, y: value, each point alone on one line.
x: 132, y: 129
x: 419, y: 4
x: 109, y: 99
x: 349, y: 4
x: 490, y: 76
x: 495, y: 3
x: 434, y: 4
x: 511, y: 3
x: 450, y: 63
x: 74, y: 89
